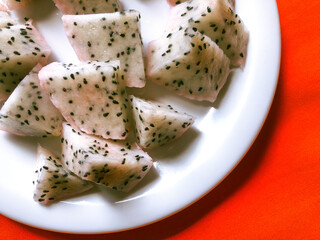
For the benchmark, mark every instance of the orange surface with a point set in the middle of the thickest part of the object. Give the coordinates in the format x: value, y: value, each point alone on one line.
x: 275, y: 191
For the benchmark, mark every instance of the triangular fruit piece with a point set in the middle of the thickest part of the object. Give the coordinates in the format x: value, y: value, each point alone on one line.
x: 188, y: 63
x: 217, y: 20
x: 21, y: 48
x: 116, y: 164
x: 158, y: 124
x: 90, y: 96
x: 52, y: 182
x: 87, y: 6
x: 109, y: 36
x: 29, y: 112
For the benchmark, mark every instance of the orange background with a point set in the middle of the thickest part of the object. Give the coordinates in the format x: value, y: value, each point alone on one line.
x: 274, y: 193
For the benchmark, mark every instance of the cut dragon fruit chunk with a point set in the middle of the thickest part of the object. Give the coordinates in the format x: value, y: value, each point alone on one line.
x: 90, y: 96
x: 116, y: 164
x: 21, y: 48
x: 52, y: 182
x: 109, y: 36
x: 217, y: 20
x: 189, y: 64
x: 29, y: 112
x: 158, y: 124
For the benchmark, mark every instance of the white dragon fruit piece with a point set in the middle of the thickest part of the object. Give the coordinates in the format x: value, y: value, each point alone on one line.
x: 21, y: 48
x: 5, y: 19
x: 109, y: 36
x: 29, y: 112
x: 88, y: 6
x: 217, y: 20
x: 158, y: 124
x: 90, y: 96
x: 177, y: 2
x: 116, y: 164
x: 16, y: 4
x: 189, y: 64
x: 52, y: 182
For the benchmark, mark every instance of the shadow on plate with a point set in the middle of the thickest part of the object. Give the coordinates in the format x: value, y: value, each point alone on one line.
x: 223, y: 91
x: 171, y: 151
x: 30, y: 143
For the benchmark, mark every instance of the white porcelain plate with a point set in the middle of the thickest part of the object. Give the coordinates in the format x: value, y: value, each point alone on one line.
x: 183, y: 171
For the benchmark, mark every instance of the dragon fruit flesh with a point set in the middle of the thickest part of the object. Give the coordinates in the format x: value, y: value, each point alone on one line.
x: 29, y: 112
x: 90, y: 96
x: 21, y: 48
x: 176, y: 2
x: 188, y: 63
x: 217, y: 20
x: 109, y: 36
x: 52, y: 182
x: 87, y: 6
x: 158, y: 124
x: 16, y: 4
x: 5, y: 19
x: 115, y: 164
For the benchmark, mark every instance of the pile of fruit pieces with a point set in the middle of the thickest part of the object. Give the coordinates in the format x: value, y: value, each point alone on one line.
x: 87, y: 102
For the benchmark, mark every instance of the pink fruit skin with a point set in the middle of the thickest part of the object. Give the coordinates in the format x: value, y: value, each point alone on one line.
x: 14, y: 5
